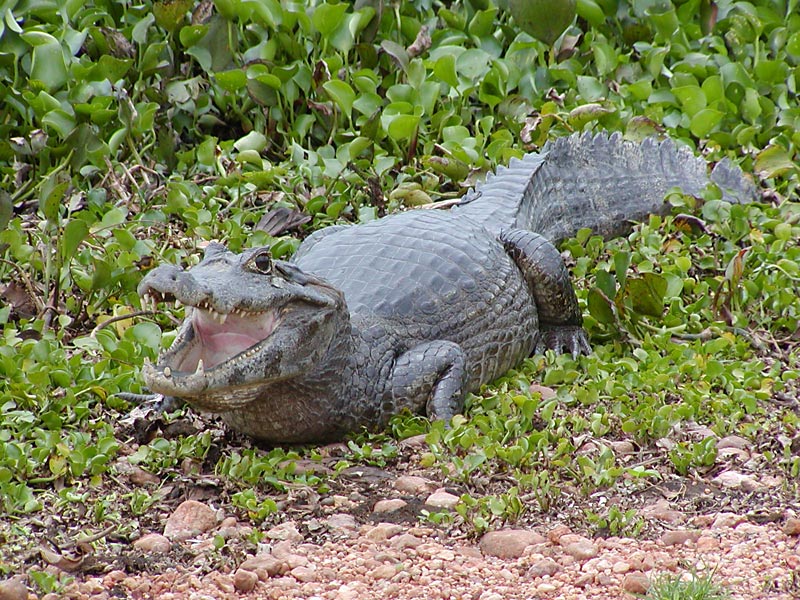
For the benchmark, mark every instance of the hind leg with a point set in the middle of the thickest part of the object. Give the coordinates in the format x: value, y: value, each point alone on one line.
x: 560, y: 319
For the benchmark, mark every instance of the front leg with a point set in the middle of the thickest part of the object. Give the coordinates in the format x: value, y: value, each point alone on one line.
x: 433, y: 376
x: 560, y: 319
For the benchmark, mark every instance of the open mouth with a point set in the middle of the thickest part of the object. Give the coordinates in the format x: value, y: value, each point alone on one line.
x: 210, y: 338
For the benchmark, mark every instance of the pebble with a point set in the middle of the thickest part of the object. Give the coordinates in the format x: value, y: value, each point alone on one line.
x: 636, y: 583
x: 547, y: 393
x: 153, y: 543
x: 663, y: 511
x: 342, y: 522
x: 304, y: 573
x: 14, y: 588
x: 285, y: 532
x: 383, y: 531
x: 623, y: 447
x: 678, y: 537
x: 727, y: 519
x: 414, y: 485
x: 509, y: 543
x: 244, y: 581
x: 442, y: 499
x: 706, y: 542
x: 620, y: 567
x: 545, y: 566
x: 191, y: 518
x: 733, y: 441
x: 264, y: 565
x: 406, y: 540
x: 383, y: 572
x: 388, y: 506
x: 792, y: 526
x: 557, y: 532
x: 736, y: 480
x: 581, y: 550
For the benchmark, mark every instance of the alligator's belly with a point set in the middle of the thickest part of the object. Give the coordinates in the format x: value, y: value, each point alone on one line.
x: 433, y: 275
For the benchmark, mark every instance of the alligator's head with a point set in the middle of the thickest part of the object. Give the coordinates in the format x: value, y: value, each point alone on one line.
x: 250, y: 321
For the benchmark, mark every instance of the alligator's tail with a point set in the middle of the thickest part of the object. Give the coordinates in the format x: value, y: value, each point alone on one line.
x: 601, y: 182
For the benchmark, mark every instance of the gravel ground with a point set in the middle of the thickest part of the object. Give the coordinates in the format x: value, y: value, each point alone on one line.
x: 393, y: 561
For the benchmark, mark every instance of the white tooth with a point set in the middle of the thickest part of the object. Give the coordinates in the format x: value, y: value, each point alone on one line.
x: 200, y: 368
x: 177, y: 303
x: 145, y: 300
x: 221, y: 318
x: 167, y: 372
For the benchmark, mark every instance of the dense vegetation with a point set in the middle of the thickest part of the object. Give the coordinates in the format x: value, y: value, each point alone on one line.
x: 131, y: 134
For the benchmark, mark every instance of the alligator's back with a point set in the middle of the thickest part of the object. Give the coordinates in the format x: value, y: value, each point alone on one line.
x: 432, y: 275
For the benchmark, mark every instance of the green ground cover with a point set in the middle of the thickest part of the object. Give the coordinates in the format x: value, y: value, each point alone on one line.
x: 131, y: 134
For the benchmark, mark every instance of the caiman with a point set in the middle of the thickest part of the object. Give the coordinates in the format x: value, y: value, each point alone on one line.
x: 414, y: 310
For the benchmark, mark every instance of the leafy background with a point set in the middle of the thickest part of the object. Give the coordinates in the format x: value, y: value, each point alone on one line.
x: 131, y: 134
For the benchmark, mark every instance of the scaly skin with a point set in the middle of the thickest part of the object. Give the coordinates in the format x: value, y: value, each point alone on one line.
x: 413, y: 310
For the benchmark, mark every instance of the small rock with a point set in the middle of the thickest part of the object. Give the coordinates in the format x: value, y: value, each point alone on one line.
x: 547, y: 393
x: 678, y: 537
x: 545, y: 566
x: 406, y: 540
x: 581, y: 550
x: 383, y: 572
x: 726, y: 519
x: 388, y: 506
x: 263, y: 565
x: 244, y: 581
x: 411, y: 484
x: 603, y: 579
x: 733, y: 441
x: 415, y: 441
x: 153, y: 543
x: 583, y: 580
x: 706, y: 542
x: 509, y: 543
x: 383, y: 531
x: 663, y: 511
x: 347, y: 593
x: 736, y: 480
x: 620, y: 567
x: 14, y: 588
x: 442, y: 499
x: 342, y: 522
x: 285, y: 531
x: 304, y: 573
x: 189, y: 519
x: 622, y: 447
x: 636, y: 583
x: 792, y: 526
x: 557, y: 532
x: 139, y: 477
x: 491, y: 596
x: 546, y: 588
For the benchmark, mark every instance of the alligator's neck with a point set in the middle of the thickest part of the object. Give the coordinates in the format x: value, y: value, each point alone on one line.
x: 311, y: 406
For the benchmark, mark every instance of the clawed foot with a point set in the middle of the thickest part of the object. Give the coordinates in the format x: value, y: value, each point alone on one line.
x: 562, y: 339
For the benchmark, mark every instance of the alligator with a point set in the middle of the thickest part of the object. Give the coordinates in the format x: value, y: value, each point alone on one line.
x: 414, y: 310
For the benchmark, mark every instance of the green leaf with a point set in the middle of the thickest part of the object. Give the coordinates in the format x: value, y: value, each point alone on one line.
x: 47, y: 60
x: 327, y: 18
x: 254, y: 140
x: 705, y: 121
x: 231, y: 81
x: 74, y: 233
x: 341, y: 93
x: 600, y: 307
x: 647, y: 293
x: 773, y: 161
x: 6, y: 209
x: 403, y: 127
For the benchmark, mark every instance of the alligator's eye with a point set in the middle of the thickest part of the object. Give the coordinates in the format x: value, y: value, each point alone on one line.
x: 262, y: 262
